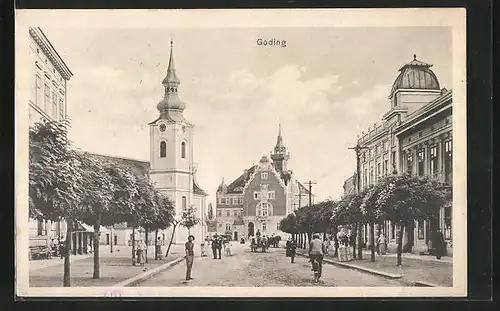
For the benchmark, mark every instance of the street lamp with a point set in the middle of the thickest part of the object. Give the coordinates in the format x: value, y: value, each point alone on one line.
x: 358, y: 149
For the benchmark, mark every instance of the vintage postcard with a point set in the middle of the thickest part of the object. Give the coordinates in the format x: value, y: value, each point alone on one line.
x: 241, y: 153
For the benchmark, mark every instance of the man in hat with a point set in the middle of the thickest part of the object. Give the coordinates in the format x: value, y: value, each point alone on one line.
x: 316, y: 253
x: 189, y: 257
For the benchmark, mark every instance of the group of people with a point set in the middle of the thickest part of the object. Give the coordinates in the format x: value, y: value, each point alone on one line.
x: 317, y: 250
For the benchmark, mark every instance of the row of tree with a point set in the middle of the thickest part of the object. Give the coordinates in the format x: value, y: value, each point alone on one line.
x: 401, y: 199
x: 72, y: 185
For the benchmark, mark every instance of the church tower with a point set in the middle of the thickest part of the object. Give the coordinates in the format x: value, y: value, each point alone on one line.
x: 280, y: 155
x: 171, y: 153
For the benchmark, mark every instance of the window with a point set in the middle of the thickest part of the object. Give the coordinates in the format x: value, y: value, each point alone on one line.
x: 364, y: 156
x: 241, y: 200
x: 420, y: 231
x: 371, y: 175
x: 235, y: 213
x: 227, y: 214
x: 220, y: 225
x: 420, y: 156
x: 409, y: 162
x: 256, y: 195
x: 263, y: 175
x: 378, y: 170
x: 184, y: 203
x: 271, y: 195
x: 219, y: 214
x: 38, y: 90
x: 54, y: 105
x: 235, y: 201
x: 264, y: 227
x: 365, y: 178
x: 46, y: 97
x: 228, y: 227
x: 61, y: 109
x: 386, y: 169
x: 278, y: 227
x: 447, y: 161
x: 447, y: 222
x: 39, y: 227
x: 163, y: 149
x: 183, y: 150
x: 263, y: 209
x: 434, y: 162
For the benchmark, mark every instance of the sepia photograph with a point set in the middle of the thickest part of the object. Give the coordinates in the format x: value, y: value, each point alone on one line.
x: 241, y: 153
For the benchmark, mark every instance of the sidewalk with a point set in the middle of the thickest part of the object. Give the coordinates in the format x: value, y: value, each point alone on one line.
x: 115, y: 267
x: 415, y: 270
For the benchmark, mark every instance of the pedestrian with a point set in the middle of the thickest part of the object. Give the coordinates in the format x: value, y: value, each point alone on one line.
x: 140, y: 253
x: 189, y: 257
x: 326, y: 245
x: 316, y: 254
x: 381, y: 244
x: 62, y: 247
x: 291, y: 248
x: 214, y: 246
x: 219, y: 245
x: 439, y: 244
x: 228, y: 248
x: 159, y: 255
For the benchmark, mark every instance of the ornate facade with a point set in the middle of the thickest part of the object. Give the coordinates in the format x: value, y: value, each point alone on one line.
x: 260, y: 197
x: 415, y: 136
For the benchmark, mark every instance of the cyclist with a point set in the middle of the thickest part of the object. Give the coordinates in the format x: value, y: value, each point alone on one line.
x: 316, y: 253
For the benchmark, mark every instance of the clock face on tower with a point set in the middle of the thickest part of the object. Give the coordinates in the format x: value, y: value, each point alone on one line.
x: 163, y: 127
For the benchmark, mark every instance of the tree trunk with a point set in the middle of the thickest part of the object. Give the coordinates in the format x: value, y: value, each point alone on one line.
x: 400, y: 244
x: 171, y: 239
x: 372, y: 241
x: 133, y: 246
x: 360, y: 241
x: 97, y: 238
x: 147, y: 245
x: 111, y: 244
x: 335, y: 242
x: 156, y: 244
x: 67, y: 253
x: 353, y: 240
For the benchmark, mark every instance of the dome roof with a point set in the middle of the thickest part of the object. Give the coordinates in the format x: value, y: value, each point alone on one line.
x: 415, y: 75
x: 171, y: 102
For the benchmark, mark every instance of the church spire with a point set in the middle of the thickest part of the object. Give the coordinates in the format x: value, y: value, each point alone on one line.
x: 279, y: 141
x: 171, y: 104
x: 280, y: 155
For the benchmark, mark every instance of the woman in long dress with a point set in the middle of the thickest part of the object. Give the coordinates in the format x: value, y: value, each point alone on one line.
x: 381, y: 244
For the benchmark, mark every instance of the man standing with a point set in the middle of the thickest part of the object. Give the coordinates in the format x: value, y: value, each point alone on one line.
x: 291, y: 248
x: 189, y: 257
x: 219, y: 245
x: 316, y: 253
x: 214, y: 246
x: 439, y: 244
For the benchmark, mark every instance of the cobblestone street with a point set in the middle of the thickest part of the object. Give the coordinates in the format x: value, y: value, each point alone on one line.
x: 246, y: 269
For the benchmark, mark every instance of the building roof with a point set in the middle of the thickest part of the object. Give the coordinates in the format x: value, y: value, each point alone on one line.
x: 142, y: 167
x: 415, y: 75
x: 139, y: 166
x: 37, y: 34
x: 237, y: 185
x: 171, y: 104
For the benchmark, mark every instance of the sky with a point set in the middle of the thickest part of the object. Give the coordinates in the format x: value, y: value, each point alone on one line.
x: 325, y: 87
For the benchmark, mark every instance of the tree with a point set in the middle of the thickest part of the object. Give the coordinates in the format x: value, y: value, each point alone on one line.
x: 405, y: 198
x: 189, y: 218
x: 99, y: 191
x: 371, y: 212
x: 175, y: 222
x: 210, y: 211
x: 56, y: 184
x: 162, y: 217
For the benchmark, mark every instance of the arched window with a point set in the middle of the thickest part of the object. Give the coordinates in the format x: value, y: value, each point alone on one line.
x: 163, y: 149
x: 183, y: 150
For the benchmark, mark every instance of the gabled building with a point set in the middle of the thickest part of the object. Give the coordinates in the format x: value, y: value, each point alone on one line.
x: 260, y: 197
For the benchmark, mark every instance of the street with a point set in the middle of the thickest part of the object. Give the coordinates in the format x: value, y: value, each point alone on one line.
x: 247, y: 269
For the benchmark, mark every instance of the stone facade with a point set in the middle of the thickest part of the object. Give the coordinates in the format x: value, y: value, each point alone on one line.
x: 415, y: 136
x: 257, y: 200
x: 44, y: 78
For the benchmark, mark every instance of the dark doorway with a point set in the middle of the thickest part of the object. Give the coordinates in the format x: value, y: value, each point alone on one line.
x: 235, y: 235
x: 250, y: 229
x: 107, y: 238
x: 410, y: 236
x: 116, y: 239
x: 431, y: 229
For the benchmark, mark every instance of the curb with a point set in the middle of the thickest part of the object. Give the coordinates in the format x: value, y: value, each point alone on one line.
x: 362, y: 269
x: 148, y: 274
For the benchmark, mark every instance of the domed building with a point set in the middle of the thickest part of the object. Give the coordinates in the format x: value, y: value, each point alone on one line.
x: 414, y: 135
